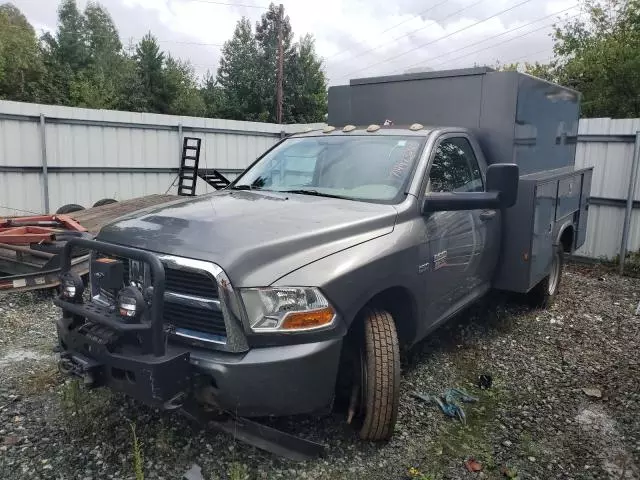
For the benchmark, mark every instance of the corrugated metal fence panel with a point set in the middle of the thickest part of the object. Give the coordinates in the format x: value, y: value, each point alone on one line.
x: 612, y: 169
x: 94, y: 140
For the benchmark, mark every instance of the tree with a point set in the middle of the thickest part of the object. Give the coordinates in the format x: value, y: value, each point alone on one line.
x: 99, y: 85
x: 306, y: 85
x: 600, y: 57
x: 247, y: 74
x: 181, y: 88
x: 238, y: 75
x: 64, y: 54
x: 212, y: 96
x: 149, y: 68
x: 20, y: 64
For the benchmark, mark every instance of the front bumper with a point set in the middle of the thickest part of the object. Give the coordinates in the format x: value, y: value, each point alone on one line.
x: 141, y: 360
x: 284, y: 380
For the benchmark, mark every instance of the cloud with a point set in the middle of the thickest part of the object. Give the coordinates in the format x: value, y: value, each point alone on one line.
x: 356, y: 38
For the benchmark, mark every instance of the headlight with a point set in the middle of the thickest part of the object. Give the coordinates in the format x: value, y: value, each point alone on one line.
x: 287, y: 309
x: 71, y: 286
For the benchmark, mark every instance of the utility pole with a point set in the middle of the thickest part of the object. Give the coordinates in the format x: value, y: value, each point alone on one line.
x: 279, y: 77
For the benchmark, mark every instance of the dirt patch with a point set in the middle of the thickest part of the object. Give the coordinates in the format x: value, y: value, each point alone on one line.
x: 564, y: 403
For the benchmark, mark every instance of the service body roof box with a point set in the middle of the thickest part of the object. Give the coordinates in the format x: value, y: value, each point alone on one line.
x: 517, y: 118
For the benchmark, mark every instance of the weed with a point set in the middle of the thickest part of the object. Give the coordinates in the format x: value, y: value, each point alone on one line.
x: 416, y: 474
x: 238, y: 471
x: 80, y: 407
x: 138, y: 465
x: 41, y: 381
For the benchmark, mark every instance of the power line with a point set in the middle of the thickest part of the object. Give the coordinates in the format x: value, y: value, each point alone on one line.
x: 547, y: 50
x: 438, y: 39
x: 391, y: 28
x: 421, y: 28
x: 212, y: 2
x: 487, y: 39
x: 515, y: 38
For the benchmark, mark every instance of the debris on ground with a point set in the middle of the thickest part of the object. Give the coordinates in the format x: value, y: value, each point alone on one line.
x: 473, y: 465
x: 51, y: 427
x: 194, y: 473
x: 592, y: 392
x: 448, y: 402
x: 485, y: 381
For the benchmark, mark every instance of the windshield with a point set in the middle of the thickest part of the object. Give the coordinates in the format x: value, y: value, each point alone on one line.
x: 366, y: 168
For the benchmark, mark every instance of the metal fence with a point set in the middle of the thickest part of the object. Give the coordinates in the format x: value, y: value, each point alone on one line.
x: 51, y: 156
x: 610, y: 146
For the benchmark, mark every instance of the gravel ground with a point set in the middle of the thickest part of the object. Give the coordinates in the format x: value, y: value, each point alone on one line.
x: 564, y: 403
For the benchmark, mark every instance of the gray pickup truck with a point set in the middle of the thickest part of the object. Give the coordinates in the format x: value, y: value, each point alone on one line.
x: 294, y: 289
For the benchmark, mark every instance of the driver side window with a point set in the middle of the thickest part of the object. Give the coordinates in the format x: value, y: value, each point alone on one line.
x: 455, y: 168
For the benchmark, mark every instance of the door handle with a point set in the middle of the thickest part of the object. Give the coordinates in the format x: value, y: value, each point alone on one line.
x: 487, y: 215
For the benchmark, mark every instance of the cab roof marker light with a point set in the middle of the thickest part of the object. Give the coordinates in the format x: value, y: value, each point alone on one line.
x: 373, y: 128
x: 328, y: 129
x: 416, y: 126
x: 349, y: 128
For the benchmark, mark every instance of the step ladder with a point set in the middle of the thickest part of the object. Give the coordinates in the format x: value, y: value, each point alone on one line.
x: 188, y: 175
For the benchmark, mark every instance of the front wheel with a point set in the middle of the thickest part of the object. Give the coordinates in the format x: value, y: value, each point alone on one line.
x: 544, y: 294
x: 379, y: 376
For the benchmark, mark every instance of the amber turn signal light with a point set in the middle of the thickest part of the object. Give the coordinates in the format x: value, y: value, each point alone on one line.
x: 309, y: 319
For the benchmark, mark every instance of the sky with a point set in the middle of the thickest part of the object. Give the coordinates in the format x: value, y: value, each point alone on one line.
x: 356, y: 38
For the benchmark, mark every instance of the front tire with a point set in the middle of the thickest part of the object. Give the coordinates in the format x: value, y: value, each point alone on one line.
x: 380, y: 353
x: 544, y: 294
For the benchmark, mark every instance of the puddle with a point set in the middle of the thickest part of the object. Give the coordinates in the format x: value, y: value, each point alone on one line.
x: 615, y: 460
x: 17, y: 355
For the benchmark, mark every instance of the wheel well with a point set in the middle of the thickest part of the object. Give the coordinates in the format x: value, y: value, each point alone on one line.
x: 566, y: 239
x: 399, y: 302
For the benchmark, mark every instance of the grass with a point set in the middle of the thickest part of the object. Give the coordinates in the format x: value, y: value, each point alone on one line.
x: 136, y: 452
x: 41, y: 381
x: 82, y: 409
x: 238, y: 471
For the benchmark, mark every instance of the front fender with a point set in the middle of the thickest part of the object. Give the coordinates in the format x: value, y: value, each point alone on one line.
x: 351, y: 277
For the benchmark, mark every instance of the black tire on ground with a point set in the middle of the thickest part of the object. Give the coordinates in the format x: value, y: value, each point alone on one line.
x: 70, y: 208
x: 381, y: 393
x: 544, y: 294
x: 105, y: 201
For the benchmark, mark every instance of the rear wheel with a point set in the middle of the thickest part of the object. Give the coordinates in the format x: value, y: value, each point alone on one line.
x: 377, y: 389
x: 544, y: 294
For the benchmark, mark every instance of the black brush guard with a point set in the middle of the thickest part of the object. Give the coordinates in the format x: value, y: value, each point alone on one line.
x: 154, y: 372
x: 134, y: 358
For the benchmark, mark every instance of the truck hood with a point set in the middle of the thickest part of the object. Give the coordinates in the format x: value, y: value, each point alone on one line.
x: 256, y: 237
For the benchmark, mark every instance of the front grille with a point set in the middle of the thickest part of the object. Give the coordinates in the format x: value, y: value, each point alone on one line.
x: 195, y: 284
x: 188, y: 282
x: 194, y: 319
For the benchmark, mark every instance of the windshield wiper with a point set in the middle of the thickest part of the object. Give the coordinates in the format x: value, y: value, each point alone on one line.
x: 244, y: 187
x: 314, y: 193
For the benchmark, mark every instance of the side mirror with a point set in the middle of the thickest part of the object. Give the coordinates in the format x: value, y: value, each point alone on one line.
x: 501, y: 191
